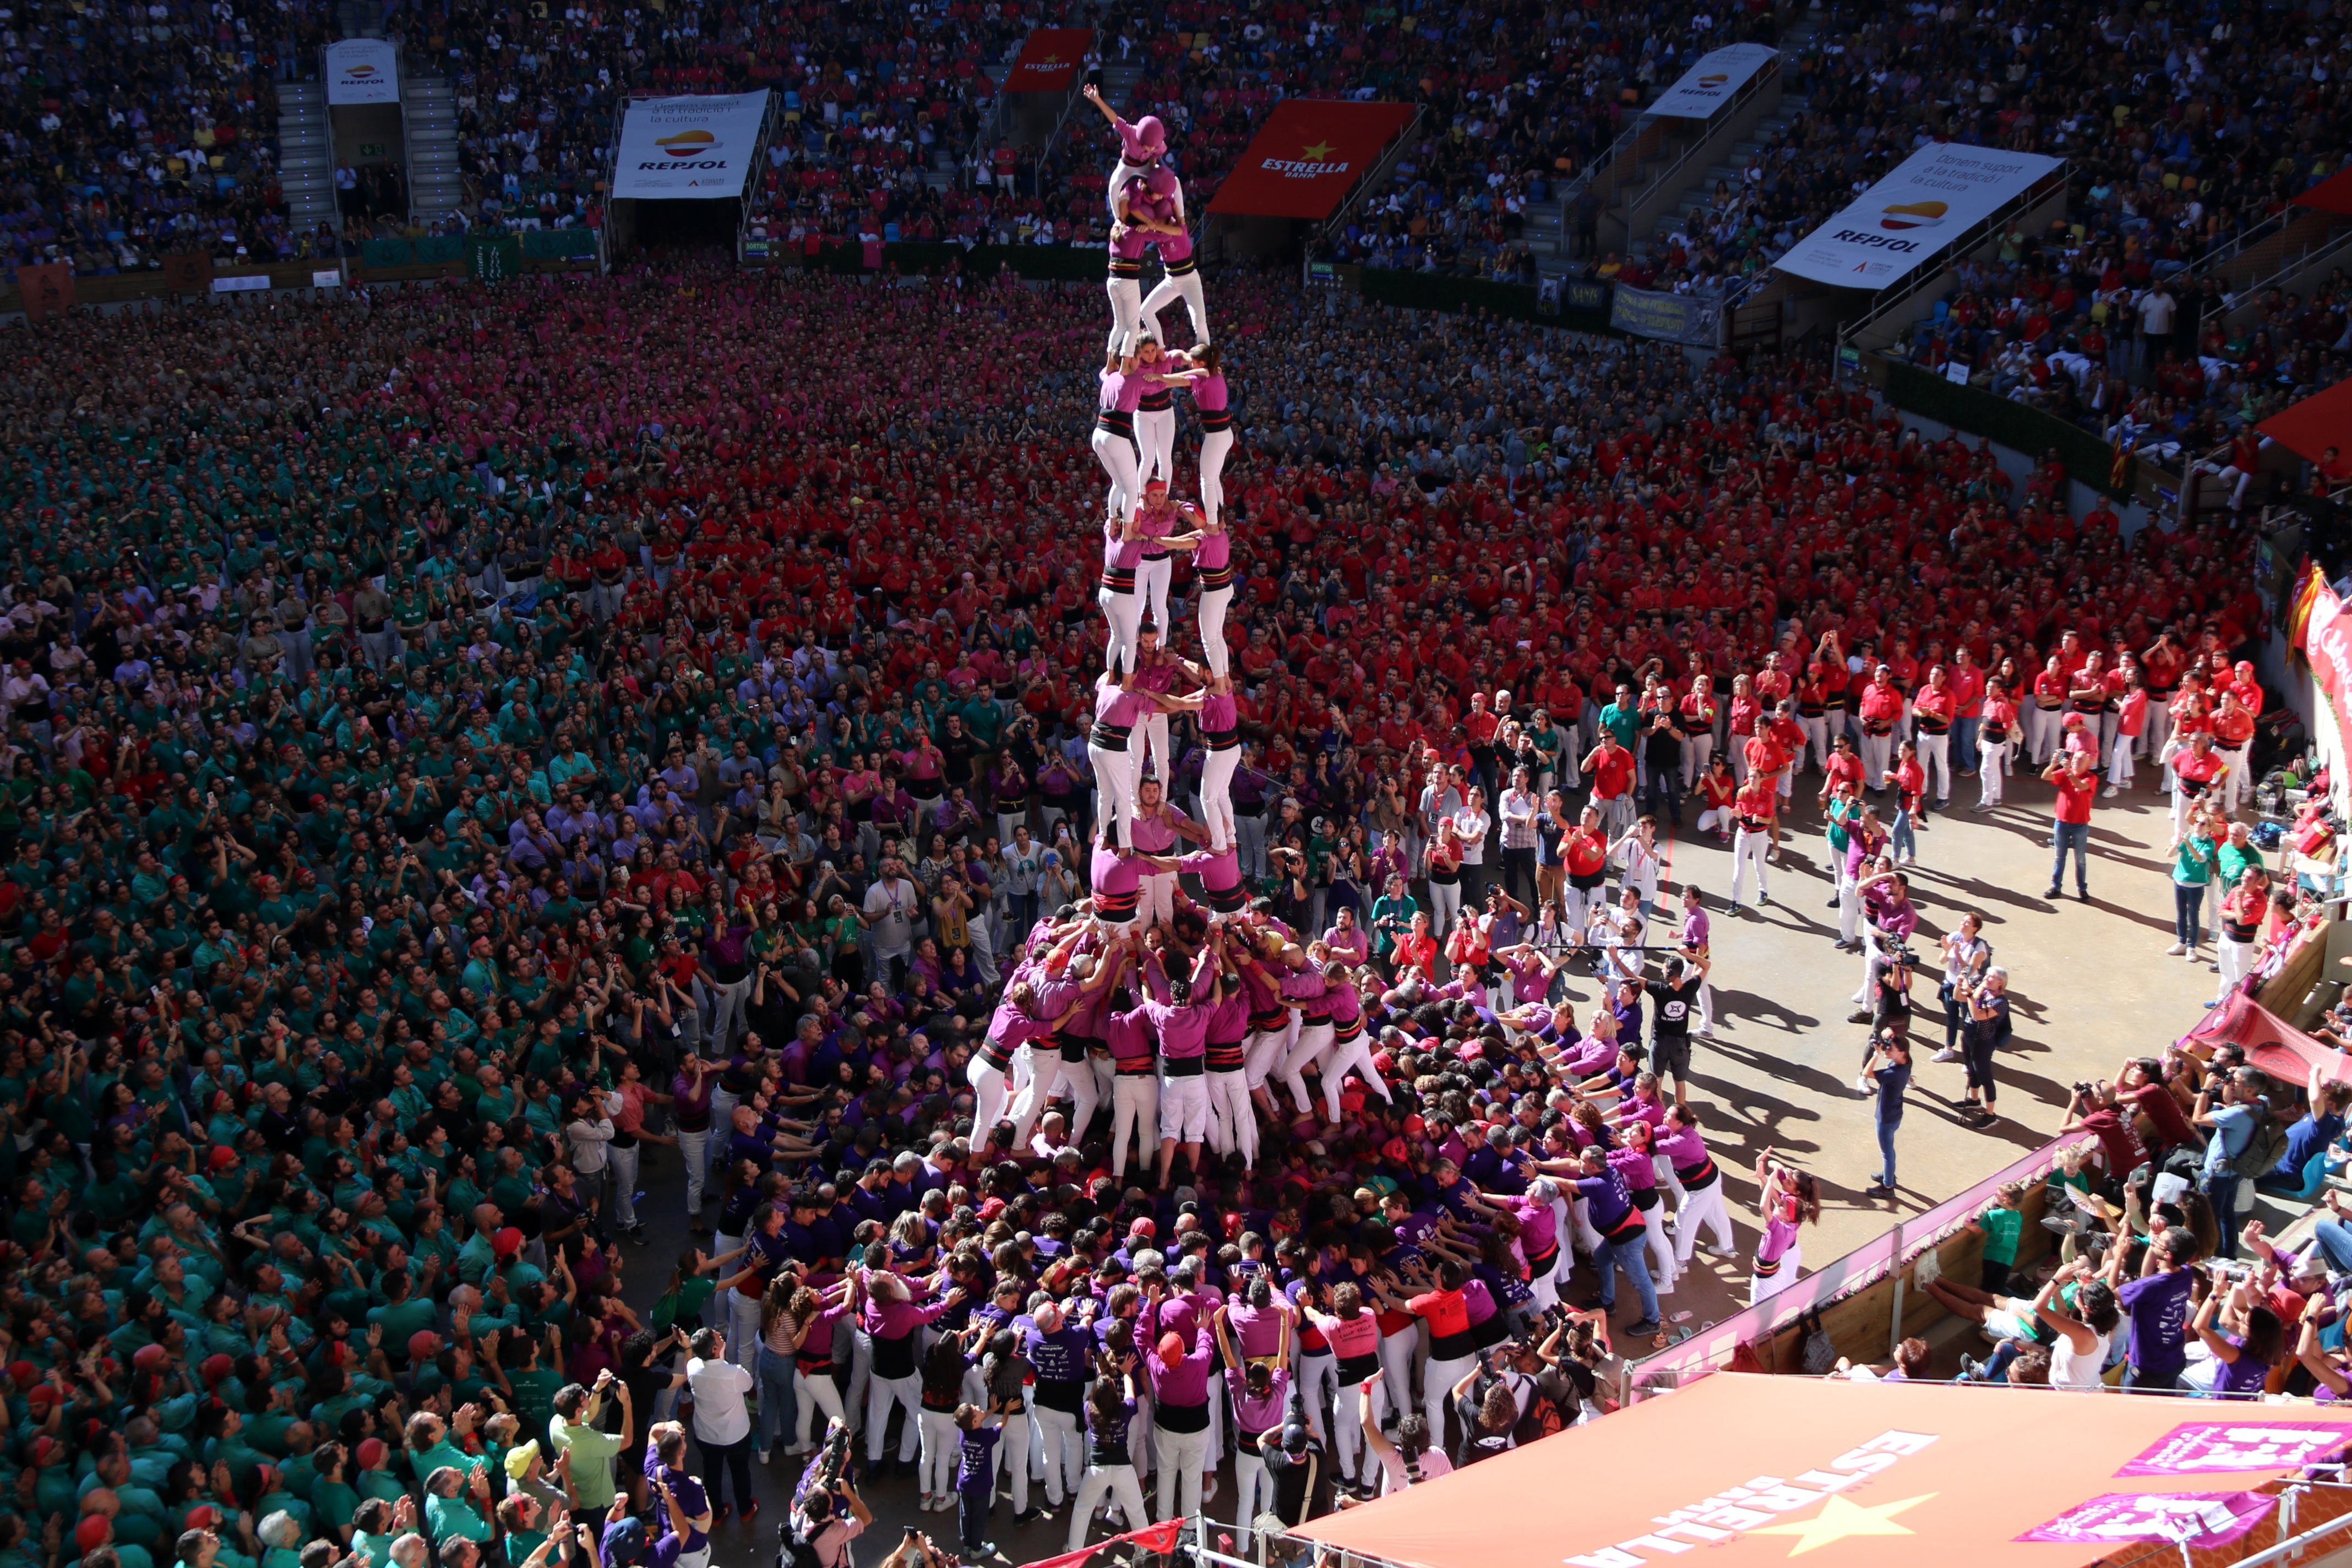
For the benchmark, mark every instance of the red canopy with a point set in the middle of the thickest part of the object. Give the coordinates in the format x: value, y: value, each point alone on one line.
x: 1759, y: 1470
x: 1049, y: 59
x: 2332, y: 194
x: 1308, y: 155
x: 2320, y: 421
x: 2284, y: 1053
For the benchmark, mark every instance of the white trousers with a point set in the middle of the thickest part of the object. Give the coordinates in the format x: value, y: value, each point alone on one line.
x: 1157, y: 905
x: 1134, y: 1114
x: 1214, y: 446
x: 813, y: 1395
x: 1763, y: 1290
x: 1114, y: 790
x: 1184, y: 1107
x: 1264, y: 1055
x: 1437, y: 1380
x: 1662, y: 1247
x: 2123, y: 760
x: 1935, y: 767
x: 1214, y: 604
x: 1697, y: 750
x: 1703, y: 1208
x: 942, y: 1446
x: 1126, y: 312
x: 1124, y: 612
x: 1116, y: 455
x: 623, y: 1164
x: 1749, y: 850
x: 2235, y: 785
x: 1182, y: 1457
x: 744, y: 1332
x: 1875, y: 750
x: 1817, y: 737
x: 1155, y: 440
x: 1151, y: 580
x: 1313, y: 1379
x: 1062, y: 1446
x: 881, y: 1392
x: 2236, y: 957
x: 1118, y: 1480
x: 1184, y: 286
x: 1992, y: 765
x: 1235, y: 1115
x: 990, y: 1091
x: 1315, y: 1041
x: 1053, y: 1075
x: 1011, y: 1452
x: 1217, y: 770
x: 1355, y: 1056
x: 1153, y: 759
x: 1348, y: 1425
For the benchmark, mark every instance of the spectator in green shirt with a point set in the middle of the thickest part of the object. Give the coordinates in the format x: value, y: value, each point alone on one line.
x: 2002, y: 1225
x: 573, y: 1430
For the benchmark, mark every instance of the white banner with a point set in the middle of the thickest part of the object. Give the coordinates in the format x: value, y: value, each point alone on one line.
x: 688, y: 147
x: 1713, y: 82
x: 1928, y: 202
x: 363, y: 70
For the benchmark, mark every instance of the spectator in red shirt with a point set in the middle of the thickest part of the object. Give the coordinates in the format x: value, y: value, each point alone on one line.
x: 2075, y: 777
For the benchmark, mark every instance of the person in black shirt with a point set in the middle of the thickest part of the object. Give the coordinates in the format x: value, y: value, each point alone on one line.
x: 1671, y: 1000
x: 1661, y: 758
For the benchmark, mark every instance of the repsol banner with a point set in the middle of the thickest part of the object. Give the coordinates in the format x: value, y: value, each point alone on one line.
x: 674, y: 148
x: 1931, y: 199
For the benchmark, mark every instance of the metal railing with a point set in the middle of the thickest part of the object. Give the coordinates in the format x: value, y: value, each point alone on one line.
x: 1377, y: 174
x: 2322, y: 245
x: 1769, y: 75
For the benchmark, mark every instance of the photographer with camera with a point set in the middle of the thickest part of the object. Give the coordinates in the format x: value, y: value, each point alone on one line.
x: 826, y: 1514
x: 1985, y: 1000
x: 1888, y: 919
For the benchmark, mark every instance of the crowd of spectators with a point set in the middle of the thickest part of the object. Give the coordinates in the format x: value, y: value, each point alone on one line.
x: 132, y: 131
x: 434, y: 716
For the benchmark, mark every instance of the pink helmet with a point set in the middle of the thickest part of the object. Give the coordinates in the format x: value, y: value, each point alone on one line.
x: 1161, y: 181
x: 1144, y: 140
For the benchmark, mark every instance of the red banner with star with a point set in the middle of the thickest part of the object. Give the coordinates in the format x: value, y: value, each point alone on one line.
x: 1049, y: 59
x: 1308, y: 155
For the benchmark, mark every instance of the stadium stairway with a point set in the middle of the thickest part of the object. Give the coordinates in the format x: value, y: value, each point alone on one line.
x: 1699, y: 193
x: 429, y: 115
x: 306, y: 155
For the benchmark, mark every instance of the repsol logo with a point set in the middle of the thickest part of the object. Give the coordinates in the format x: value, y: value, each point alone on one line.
x: 1874, y: 241
x: 691, y: 163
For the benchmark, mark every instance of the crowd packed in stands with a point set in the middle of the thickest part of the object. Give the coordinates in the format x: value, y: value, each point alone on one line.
x: 128, y: 132
x: 438, y: 721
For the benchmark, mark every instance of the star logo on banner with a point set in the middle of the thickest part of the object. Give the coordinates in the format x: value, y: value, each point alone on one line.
x: 1841, y: 1518
x: 1320, y: 149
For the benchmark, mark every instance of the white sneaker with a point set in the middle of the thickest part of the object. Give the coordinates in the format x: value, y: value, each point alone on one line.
x: 2175, y: 951
x: 1946, y: 1055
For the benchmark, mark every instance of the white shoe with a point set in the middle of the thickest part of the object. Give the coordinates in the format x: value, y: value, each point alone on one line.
x: 1946, y: 1055
x: 2175, y: 951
